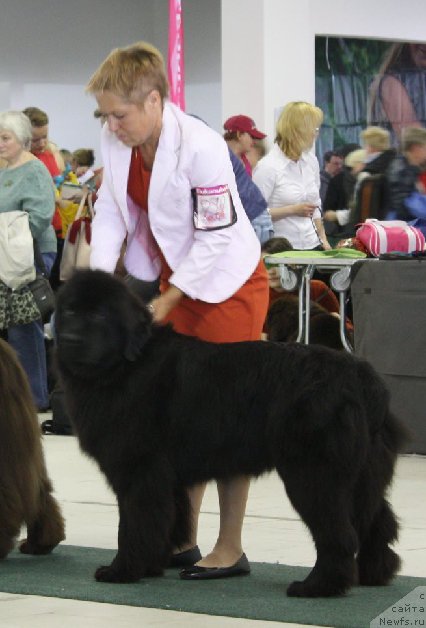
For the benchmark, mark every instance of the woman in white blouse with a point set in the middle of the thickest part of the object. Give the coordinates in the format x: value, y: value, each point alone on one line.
x: 288, y: 177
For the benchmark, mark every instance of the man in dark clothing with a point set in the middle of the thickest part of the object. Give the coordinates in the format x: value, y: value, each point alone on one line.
x: 407, y: 197
x: 333, y: 163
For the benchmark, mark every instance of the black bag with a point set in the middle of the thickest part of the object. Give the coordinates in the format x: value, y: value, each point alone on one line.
x: 43, y: 295
x: 41, y: 288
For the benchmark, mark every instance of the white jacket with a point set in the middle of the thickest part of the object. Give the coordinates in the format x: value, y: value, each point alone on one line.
x: 207, y: 265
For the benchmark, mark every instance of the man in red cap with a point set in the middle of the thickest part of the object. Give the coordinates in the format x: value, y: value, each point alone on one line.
x: 240, y: 133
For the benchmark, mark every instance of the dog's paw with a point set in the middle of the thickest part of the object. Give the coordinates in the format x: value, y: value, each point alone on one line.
x: 108, y: 573
x: 310, y: 589
x: 154, y: 572
x: 26, y: 547
x: 297, y: 589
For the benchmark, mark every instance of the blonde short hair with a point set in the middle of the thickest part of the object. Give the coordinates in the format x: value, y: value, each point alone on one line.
x: 376, y: 137
x: 411, y: 136
x: 131, y: 73
x: 295, y: 127
x: 356, y: 157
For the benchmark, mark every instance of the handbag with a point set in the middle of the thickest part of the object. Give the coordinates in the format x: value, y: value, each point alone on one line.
x: 387, y: 236
x: 16, y: 249
x: 41, y: 288
x: 76, y: 252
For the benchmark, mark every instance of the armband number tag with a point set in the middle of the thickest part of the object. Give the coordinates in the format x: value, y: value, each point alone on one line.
x: 213, y: 208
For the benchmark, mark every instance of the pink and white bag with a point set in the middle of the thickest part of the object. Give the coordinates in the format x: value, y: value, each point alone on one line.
x: 387, y: 236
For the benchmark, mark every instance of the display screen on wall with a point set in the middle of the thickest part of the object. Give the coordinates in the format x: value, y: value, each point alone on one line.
x: 361, y: 82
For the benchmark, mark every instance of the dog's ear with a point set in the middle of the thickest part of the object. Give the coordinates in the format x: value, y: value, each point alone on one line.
x: 138, y: 332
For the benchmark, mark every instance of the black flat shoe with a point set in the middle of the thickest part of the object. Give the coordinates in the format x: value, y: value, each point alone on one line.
x: 186, y: 558
x: 240, y: 568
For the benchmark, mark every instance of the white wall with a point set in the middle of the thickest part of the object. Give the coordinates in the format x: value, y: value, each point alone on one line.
x: 49, y: 49
x: 277, y: 45
x: 241, y: 56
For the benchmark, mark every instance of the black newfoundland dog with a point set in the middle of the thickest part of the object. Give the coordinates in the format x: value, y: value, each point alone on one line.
x: 25, y: 488
x: 160, y: 412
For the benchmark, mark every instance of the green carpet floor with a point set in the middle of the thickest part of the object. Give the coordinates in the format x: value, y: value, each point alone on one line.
x: 68, y: 573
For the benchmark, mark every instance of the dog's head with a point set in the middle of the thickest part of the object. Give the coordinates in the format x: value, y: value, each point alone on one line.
x: 99, y: 324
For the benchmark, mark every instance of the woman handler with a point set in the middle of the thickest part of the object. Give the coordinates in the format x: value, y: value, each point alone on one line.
x: 169, y: 188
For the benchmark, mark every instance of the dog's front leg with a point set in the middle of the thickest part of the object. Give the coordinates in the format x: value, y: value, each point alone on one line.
x: 147, y: 517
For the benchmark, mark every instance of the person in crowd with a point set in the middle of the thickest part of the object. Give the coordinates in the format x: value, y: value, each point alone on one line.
x: 253, y: 202
x: 407, y: 193
x: 66, y: 157
x: 370, y: 200
x: 288, y: 177
x: 256, y: 152
x: 48, y: 153
x: 240, y: 135
x: 82, y: 162
x: 41, y: 146
x: 377, y: 144
x: 26, y: 185
x: 339, y: 194
x: 79, y: 175
x: 165, y: 173
x: 397, y: 94
x: 354, y: 164
x: 340, y: 187
x: 333, y: 162
x: 320, y: 292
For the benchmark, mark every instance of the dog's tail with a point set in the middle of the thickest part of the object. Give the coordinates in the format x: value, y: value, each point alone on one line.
x: 389, y: 431
x: 375, y: 521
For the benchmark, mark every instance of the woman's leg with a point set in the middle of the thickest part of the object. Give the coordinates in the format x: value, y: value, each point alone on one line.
x: 228, y: 549
x: 28, y: 342
x: 195, y: 494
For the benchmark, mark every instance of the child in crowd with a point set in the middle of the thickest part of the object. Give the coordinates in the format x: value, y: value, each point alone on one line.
x: 320, y: 292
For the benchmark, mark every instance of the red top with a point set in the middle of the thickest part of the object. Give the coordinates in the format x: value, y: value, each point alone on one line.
x: 49, y: 161
x: 138, y: 181
x: 238, y: 318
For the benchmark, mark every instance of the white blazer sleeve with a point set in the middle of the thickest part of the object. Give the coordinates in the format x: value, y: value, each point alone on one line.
x: 109, y: 228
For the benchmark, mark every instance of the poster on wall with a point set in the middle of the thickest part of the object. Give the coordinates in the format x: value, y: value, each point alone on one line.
x: 362, y: 82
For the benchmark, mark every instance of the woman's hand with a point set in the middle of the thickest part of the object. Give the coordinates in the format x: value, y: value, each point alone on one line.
x: 304, y: 209
x: 162, y: 305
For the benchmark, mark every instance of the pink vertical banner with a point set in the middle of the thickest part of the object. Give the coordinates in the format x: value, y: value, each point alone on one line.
x: 175, y: 61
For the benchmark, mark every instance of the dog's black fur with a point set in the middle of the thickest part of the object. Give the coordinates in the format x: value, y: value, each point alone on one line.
x: 160, y: 412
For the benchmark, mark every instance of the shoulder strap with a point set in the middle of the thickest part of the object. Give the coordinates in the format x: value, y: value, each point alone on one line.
x: 38, y: 259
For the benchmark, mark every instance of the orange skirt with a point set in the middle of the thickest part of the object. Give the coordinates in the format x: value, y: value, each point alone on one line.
x: 241, y: 317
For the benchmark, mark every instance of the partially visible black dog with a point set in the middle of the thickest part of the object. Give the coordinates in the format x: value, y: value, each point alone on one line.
x: 282, y: 323
x: 161, y: 412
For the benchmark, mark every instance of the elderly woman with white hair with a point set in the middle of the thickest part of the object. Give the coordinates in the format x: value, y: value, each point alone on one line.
x: 26, y: 185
